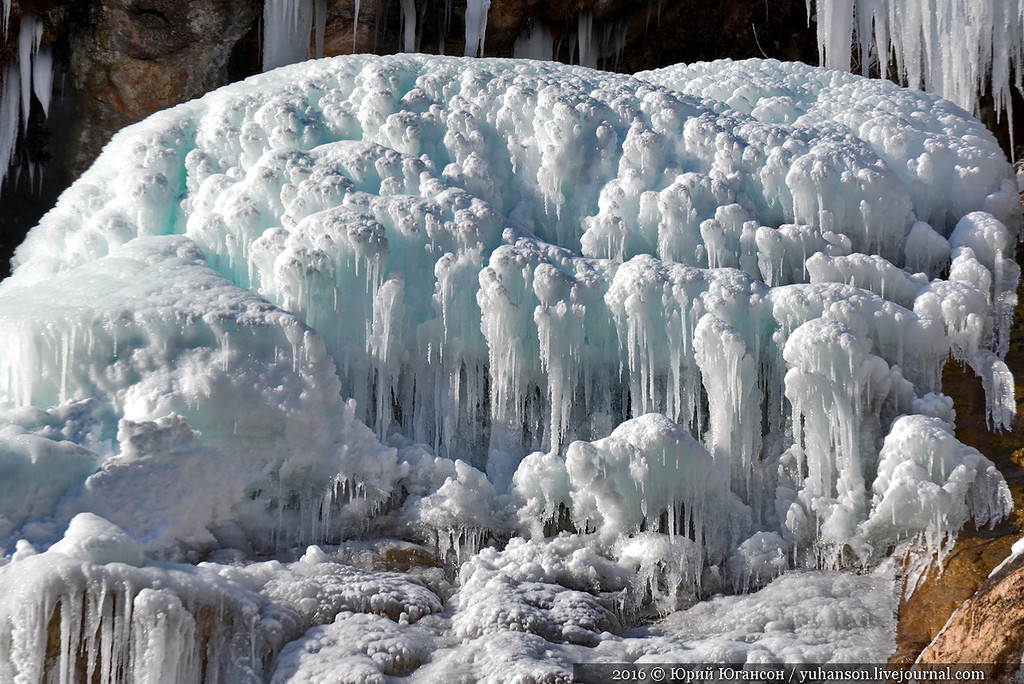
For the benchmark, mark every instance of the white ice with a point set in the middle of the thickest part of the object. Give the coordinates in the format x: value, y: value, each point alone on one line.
x: 985, y: 57
x: 28, y: 74
x: 602, y: 346
x: 286, y: 31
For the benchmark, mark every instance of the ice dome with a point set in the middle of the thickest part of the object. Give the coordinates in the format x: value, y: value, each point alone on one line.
x: 583, y: 335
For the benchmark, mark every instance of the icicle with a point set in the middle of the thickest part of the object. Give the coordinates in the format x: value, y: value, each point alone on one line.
x: 383, y: 342
x: 355, y: 25
x: 8, y: 117
x: 28, y: 47
x: 835, y: 29
x: 5, y: 22
x: 320, y: 24
x: 286, y: 32
x: 31, y: 72
x: 614, y: 43
x: 408, y: 26
x: 444, y: 26
x: 535, y: 43
x: 42, y: 77
x: 476, y: 26
x: 585, y: 39
x: 987, y: 48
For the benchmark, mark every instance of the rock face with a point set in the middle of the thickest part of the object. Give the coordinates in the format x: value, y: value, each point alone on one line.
x: 988, y: 628
x: 135, y: 57
x: 923, y: 615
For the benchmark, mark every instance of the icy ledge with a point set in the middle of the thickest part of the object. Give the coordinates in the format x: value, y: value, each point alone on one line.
x: 653, y: 337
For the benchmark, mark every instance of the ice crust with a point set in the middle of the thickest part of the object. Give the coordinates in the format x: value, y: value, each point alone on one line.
x: 605, y: 345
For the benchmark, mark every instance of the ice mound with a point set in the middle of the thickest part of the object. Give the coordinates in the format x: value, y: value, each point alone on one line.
x: 684, y: 331
x: 563, y: 592
x: 812, y: 617
x: 168, y: 345
x: 356, y: 648
x: 319, y: 589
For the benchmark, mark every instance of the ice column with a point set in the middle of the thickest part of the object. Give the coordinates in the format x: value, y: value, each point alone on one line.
x: 476, y: 26
x: 535, y: 43
x: 32, y: 72
x: 987, y: 44
x: 585, y: 39
x: 286, y: 30
x: 355, y: 25
x: 835, y: 29
x: 8, y: 117
x: 320, y: 25
x: 408, y: 26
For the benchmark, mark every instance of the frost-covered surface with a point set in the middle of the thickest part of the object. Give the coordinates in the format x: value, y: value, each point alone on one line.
x: 604, y: 346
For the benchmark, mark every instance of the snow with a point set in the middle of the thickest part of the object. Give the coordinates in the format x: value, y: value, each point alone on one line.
x: 597, y: 347
x: 95, y: 540
x: 924, y: 470
x: 356, y: 648
x: 802, y: 617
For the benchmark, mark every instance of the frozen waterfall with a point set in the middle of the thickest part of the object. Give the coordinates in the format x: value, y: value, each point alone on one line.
x: 910, y: 38
x: 411, y: 365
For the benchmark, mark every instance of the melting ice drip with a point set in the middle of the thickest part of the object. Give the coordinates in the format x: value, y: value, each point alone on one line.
x: 696, y: 318
x: 985, y: 57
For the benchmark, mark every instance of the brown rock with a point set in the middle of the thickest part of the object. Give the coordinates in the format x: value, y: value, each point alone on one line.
x: 988, y: 628
x: 134, y: 57
x: 923, y: 615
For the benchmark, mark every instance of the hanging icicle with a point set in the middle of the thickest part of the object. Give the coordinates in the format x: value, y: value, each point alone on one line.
x: 983, y: 51
x: 287, y: 25
x: 31, y: 73
x: 355, y: 25
x: 408, y: 26
x: 476, y: 26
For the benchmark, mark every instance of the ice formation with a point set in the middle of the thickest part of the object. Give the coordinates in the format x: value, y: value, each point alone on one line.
x: 476, y: 26
x: 28, y: 76
x: 911, y: 36
x: 602, y: 345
